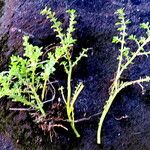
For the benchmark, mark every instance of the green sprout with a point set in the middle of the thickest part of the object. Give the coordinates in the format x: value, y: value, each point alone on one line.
x: 65, y: 51
x: 125, y: 58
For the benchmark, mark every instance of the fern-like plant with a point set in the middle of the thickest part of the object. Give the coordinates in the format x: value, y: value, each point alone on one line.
x: 22, y: 82
x: 65, y: 49
x: 125, y: 58
x: 26, y: 80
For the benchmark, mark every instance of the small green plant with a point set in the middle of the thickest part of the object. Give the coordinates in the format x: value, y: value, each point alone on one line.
x: 23, y: 81
x: 65, y: 49
x: 125, y: 58
x: 27, y: 79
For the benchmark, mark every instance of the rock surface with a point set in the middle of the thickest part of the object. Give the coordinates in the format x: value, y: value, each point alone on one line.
x: 6, y: 143
x: 95, y: 29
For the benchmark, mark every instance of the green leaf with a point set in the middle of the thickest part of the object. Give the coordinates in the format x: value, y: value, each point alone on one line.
x: 71, y: 11
x: 132, y: 37
x: 116, y: 39
x: 120, y: 12
x: 142, y: 39
x: 144, y: 25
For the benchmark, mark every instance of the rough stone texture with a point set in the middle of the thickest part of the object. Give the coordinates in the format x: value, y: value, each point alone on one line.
x: 95, y: 30
x: 6, y: 143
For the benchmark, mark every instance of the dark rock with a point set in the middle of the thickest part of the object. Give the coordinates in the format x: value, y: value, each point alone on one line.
x: 6, y: 143
x: 136, y: 2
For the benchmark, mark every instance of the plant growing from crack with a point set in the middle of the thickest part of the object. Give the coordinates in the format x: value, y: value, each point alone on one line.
x: 27, y: 79
x: 65, y: 49
x: 125, y: 59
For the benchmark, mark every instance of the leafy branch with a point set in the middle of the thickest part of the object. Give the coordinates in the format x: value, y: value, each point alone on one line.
x: 125, y: 58
x: 64, y: 50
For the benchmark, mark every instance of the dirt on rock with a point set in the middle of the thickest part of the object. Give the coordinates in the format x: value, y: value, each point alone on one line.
x: 95, y: 29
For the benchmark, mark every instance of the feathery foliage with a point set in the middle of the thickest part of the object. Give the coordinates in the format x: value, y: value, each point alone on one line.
x: 22, y: 82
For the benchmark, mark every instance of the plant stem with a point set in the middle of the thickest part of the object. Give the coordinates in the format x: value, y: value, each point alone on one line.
x: 68, y: 104
x: 146, y: 79
x: 121, y: 54
x: 74, y: 129
x: 44, y: 88
x: 33, y: 74
x: 104, y: 113
x: 110, y: 101
x: 39, y: 103
x: 69, y: 85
